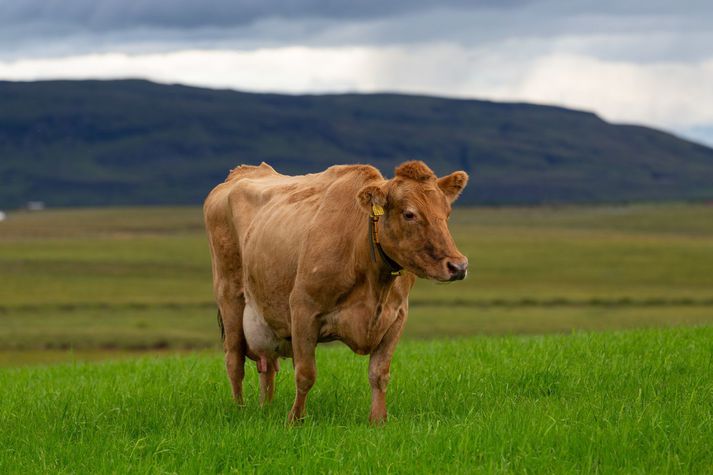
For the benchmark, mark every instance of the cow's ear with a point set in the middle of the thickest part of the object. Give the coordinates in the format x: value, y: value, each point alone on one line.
x: 371, y: 195
x: 452, y: 185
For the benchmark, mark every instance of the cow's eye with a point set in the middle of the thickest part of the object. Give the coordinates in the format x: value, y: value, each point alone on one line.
x: 409, y: 215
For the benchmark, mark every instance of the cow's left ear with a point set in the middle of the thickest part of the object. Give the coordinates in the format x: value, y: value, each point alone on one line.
x: 452, y: 185
x: 371, y: 195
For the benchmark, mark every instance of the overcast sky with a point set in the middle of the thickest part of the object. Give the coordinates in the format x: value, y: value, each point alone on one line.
x: 647, y: 62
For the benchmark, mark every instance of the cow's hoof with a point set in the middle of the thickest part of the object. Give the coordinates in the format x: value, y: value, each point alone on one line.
x: 294, y: 419
x: 377, y: 420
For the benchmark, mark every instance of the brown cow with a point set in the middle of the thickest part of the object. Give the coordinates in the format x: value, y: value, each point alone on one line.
x: 299, y: 260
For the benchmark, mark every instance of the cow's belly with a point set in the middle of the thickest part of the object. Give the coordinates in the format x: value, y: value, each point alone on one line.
x: 261, y: 338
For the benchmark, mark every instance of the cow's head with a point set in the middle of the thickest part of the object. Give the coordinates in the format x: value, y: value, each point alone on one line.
x: 414, y: 228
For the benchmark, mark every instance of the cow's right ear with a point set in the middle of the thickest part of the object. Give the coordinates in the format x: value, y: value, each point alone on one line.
x: 371, y: 195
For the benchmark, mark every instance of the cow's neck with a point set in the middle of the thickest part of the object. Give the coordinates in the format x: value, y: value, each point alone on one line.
x: 381, y: 280
x: 375, y: 249
x: 379, y: 268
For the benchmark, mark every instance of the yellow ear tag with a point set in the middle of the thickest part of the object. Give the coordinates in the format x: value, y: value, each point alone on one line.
x: 377, y: 210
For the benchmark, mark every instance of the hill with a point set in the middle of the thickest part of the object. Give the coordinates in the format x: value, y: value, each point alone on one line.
x: 135, y: 142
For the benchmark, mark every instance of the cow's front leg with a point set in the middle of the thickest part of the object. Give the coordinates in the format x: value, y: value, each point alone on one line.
x: 379, y: 366
x: 305, y: 333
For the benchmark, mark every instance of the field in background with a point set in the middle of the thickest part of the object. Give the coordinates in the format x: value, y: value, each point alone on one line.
x: 138, y: 279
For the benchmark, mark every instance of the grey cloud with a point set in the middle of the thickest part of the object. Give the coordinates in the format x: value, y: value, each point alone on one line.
x: 41, y: 28
x: 103, y: 15
x: 120, y: 14
x: 626, y: 30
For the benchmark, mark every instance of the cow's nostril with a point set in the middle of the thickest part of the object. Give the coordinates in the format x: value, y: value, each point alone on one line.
x: 457, y: 269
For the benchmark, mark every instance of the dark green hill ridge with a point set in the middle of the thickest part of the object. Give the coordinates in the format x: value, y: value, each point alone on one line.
x: 136, y: 142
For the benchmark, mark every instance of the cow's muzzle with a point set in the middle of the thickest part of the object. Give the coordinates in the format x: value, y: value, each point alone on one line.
x: 457, y: 268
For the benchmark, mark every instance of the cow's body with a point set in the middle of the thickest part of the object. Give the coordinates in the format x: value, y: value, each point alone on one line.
x: 292, y: 266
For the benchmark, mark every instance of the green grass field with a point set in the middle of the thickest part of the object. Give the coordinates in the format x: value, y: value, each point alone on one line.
x: 614, y: 402
x: 76, y: 282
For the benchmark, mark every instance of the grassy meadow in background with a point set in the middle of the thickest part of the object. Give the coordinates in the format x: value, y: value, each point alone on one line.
x: 477, y: 384
x: 139, y: 278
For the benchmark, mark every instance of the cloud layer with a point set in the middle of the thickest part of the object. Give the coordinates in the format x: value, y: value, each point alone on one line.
x: 128, y: 14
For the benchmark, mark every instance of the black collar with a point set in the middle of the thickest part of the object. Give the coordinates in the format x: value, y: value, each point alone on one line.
x: 393, y: 266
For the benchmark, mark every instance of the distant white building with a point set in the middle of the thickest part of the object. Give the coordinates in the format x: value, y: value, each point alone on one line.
x: 2, y: 216
x: 35, y: 205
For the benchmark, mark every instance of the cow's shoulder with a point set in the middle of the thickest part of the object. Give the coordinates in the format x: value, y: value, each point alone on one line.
x: 342, y: 184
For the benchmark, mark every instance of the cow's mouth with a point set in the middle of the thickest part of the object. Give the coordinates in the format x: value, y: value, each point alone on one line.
x: 437, y: 277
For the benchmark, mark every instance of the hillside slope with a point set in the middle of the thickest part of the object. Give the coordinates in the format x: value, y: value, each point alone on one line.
x: 135, y: 142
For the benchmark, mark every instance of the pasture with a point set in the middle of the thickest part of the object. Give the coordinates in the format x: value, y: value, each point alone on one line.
x: 613, y: 402
x: 581, y: 341
x: 82, y: 283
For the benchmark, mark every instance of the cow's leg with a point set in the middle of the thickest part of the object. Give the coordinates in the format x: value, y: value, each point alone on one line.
x: 228, y: 289
x: 267, y: 381
x: 234, y: 344
x: 379, y: 366
x: 305, y: 332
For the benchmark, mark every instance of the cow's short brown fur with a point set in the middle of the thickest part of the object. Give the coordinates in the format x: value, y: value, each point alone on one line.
x: 295, y: 251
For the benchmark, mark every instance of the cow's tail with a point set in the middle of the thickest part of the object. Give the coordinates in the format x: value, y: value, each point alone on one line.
x: 221, y: 326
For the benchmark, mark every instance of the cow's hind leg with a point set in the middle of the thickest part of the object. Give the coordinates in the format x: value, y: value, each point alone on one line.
x: 234, y: 344
x: 228, y: 288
